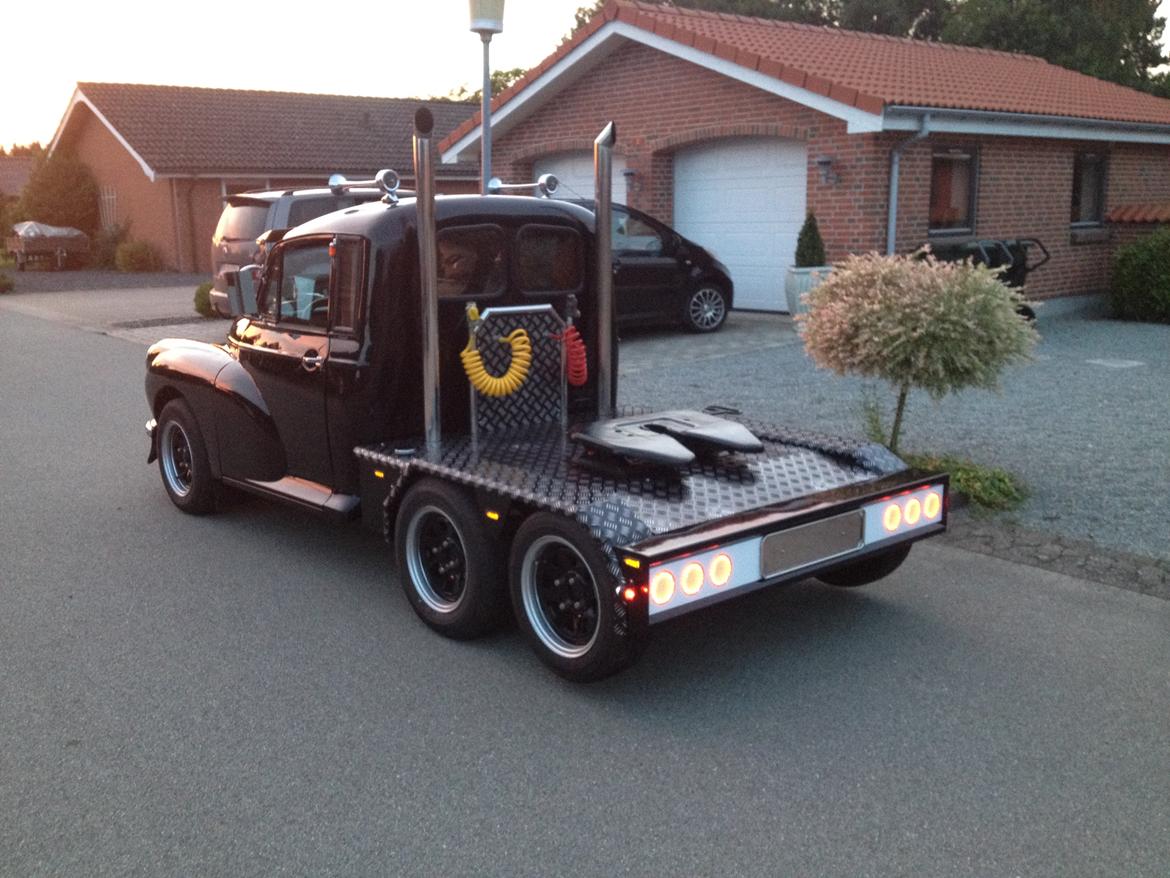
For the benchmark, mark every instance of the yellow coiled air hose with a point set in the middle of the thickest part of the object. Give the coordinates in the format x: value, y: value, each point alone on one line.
x: 510, y: 381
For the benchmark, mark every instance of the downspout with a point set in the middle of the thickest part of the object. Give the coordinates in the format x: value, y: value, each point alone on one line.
x: 191, y: 225
x: 175, y: 223
x: 895, y: 169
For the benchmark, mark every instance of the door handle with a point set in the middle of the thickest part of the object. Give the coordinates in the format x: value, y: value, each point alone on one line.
x: 311, y: 361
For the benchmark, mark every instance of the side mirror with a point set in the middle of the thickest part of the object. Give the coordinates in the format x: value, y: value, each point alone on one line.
x: 242, y: 292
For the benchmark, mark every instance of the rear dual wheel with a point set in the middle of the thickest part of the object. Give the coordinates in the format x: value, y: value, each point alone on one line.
x: 563, y: 596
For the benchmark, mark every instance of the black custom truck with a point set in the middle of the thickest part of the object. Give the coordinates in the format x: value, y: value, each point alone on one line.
x: 446, y: 369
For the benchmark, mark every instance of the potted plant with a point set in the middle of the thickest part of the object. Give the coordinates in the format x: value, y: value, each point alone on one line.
x: 810, y: 268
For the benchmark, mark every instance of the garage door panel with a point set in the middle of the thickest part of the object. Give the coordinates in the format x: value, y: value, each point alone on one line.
x: 574, y: 171
x: 745, y: 200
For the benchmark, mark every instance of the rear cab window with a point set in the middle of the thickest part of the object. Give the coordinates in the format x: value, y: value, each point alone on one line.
x: 550, y: 259
x: 470, y: 262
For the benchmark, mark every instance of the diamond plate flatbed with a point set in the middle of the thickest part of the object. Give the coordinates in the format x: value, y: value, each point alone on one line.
x: 627, y: 506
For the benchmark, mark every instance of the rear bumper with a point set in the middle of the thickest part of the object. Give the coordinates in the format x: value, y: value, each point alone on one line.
x: 772, y: 546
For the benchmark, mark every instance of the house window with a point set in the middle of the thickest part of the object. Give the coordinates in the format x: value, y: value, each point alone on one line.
x: 108, y: 207
x: 952, y: 191
x: 1088, y: 189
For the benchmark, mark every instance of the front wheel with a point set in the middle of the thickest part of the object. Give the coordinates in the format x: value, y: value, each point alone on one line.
x: 448, y: 566
x: 563, y: 595
x: 706, y: 308
x: 182, y: 459
x: 867, y: 570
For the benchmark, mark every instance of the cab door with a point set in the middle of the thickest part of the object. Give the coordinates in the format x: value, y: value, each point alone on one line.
x: 285, y: 351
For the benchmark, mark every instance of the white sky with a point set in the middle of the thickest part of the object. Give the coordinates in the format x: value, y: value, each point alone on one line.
x: 392, y: 48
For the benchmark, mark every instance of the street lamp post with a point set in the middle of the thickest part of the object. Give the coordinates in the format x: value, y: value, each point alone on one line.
x: 487, y: 18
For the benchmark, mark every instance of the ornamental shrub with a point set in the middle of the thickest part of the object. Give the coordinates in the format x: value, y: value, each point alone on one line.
x: 6, y: 283
x: 1141, y: 279
x: 203, y: 299
x: 810, y: 247
x: 917, y: 323
x: 103, y: 249
x: 137, y: 256
x: 61, y: 191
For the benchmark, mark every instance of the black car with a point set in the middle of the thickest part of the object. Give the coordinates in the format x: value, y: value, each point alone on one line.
x: 663, y: 277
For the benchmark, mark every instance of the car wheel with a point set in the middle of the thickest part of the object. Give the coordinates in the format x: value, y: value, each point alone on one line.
x: 866, y: 571
x: 706, y: 308
x: 447, y: 565
x: 182, y: 459
x: 563, y: 596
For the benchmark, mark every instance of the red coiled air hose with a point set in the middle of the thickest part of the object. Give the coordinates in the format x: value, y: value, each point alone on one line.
x: 576, y: 360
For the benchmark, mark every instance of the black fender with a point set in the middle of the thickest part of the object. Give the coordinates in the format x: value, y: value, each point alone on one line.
x: 232, y: 414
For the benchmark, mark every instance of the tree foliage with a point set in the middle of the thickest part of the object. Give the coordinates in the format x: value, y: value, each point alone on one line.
x: 1117, y: 40
x: 501, y: 79
x: 62, y: 191
x: 916, y: 323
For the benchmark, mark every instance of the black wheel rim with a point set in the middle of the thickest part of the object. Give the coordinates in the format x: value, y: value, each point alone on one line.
x: 176, y: 459
x: 560, y: 596
x: 437, y: 559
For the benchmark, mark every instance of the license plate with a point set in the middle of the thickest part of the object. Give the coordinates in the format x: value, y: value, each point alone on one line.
x: 798, y: 547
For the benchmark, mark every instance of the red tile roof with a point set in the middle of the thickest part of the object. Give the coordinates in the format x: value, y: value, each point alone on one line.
x: 180, y: 130
x: 872, y: 71
x: 1140, y: 213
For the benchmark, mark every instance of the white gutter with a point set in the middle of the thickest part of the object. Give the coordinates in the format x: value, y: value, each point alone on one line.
x: 991, y: 123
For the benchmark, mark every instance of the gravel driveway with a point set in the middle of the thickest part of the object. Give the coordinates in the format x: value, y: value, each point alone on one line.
x: 1086, y: 425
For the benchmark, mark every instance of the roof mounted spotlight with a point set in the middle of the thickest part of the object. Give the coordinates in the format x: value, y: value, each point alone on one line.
x: 388, y: 181
x: 337, y: 183
x: 546, y: 185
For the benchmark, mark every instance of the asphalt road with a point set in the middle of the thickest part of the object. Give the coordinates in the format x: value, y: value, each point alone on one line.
x: 250, y: 694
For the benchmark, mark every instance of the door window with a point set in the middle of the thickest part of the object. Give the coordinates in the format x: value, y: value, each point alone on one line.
x: 304, y: 285
x: 633, y: 235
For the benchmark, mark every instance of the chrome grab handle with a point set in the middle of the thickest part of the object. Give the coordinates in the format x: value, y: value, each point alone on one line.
x: 311, y: 361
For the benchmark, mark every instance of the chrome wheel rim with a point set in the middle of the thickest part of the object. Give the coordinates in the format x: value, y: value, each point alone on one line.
x: 436, y: 559
x: 707, y: 308
x: 175, y: 450
x: 560, y: 597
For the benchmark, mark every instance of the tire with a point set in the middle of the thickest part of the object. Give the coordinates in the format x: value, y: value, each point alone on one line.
x: 448, y: 567
x: 578, y: 641
x: 182, y: 460
x: 706, y: 308
x: 869, y: 570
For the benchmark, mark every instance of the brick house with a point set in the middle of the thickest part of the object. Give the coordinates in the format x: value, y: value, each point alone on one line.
x: 730, y: 128
x: 166, y: 156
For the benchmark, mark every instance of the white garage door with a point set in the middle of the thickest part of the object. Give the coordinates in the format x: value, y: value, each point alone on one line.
x: 744, y: 199
x: 574, y: 171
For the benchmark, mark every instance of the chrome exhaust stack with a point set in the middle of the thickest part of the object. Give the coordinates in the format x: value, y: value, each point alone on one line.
x: 424, y: 181
x: 602, y: 180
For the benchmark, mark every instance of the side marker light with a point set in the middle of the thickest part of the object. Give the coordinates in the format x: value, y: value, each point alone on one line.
x: 632, y: 562
x: 378, y: 474
x: 492, y: 514
x: 629, y: 593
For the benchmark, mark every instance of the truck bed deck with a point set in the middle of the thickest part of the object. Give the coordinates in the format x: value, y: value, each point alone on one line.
x: 626, y: 504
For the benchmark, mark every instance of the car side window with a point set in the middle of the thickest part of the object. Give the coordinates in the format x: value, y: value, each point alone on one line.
x: 632, y: 235
x: 304, y: 285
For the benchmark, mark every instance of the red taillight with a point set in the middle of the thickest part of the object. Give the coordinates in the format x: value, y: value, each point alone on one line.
x: 692, y: 578
x: 932, y: 505
x: 913, y: 511
x: 662, y: 587
x: 720, y: 570
x: 629, y: 593
x: 892, y: 517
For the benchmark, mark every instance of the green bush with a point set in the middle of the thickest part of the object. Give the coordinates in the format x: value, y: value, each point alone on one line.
x: 1141, y: 279
x: 103, y: 249
x: 810, y: 247
x: 203, y: 299
x: 915, y: 322
x: 6, y: 283
x: 61, y: 191
x: 137, y: 256
x: 987, y: 487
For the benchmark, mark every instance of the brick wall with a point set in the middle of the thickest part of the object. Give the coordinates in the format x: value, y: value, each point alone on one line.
x: 662, y: 104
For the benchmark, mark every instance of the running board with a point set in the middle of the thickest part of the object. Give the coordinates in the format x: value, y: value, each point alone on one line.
x: 301, y: 492
x: 670, y: 438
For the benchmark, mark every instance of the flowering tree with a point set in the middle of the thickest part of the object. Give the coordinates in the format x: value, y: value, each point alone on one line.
x: 915, y: 322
